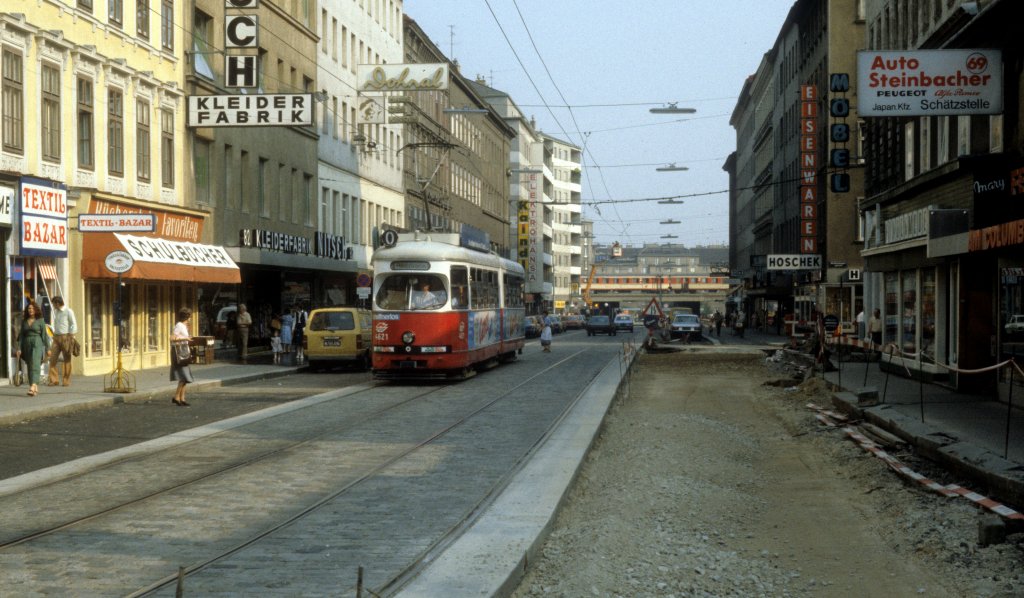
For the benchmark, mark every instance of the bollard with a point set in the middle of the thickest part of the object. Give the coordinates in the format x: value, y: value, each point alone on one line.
x: 179, y: 591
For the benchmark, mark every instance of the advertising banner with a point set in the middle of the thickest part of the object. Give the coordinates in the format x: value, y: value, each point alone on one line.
x: 929, y: 82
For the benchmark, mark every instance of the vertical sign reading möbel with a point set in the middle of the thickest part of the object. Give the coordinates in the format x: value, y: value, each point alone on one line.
x: 808, y: 169
x: 43, y: 213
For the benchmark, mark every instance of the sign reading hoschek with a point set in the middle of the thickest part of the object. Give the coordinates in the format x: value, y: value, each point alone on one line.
x: 43, y: 209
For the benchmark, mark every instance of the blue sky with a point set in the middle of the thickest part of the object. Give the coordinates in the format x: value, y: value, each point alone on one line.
x: 612, y: 61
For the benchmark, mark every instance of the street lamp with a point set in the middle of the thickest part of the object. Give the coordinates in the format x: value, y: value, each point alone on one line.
x: 672, y: 108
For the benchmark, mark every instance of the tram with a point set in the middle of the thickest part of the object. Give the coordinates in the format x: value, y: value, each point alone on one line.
x: 444, y: 306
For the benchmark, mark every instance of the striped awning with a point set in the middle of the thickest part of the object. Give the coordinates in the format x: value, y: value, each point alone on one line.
x: 47, y: 268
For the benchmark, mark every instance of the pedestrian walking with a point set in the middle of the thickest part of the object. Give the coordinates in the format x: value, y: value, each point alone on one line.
x: 244, y: 322
x: 181, y: 370
x: 718, y: 323
x: 860, y: 324
x: 545, y: 334
x: 65, y: 327
x: 275, y: 345
x: 300, y: 328
x: 875, y: 330
x: 287, y: 326
x: 33, y: 343
x: 740, y: 322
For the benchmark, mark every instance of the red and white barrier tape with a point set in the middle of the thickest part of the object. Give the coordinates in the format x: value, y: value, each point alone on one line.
x: 895, y: 464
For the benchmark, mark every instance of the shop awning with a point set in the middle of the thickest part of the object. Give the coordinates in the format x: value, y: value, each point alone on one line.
x: 158, y: 259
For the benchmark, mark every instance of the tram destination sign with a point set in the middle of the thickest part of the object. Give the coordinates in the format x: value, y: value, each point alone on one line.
x: 263, y: 110
x: 797, y: 261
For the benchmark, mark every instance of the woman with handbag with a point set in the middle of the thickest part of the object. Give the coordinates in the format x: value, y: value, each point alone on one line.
x: 33, y: 342
x: 181, y: 356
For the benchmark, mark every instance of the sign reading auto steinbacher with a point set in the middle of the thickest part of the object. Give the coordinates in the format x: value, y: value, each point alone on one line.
x: 929, y: 82
x: 263, y: 110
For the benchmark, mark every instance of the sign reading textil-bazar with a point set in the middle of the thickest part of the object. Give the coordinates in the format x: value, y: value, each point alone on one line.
x: 43, y: 207
x: 929, y: 82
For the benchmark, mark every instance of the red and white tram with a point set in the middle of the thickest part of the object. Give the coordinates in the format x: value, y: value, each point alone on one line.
x: 443, y: 308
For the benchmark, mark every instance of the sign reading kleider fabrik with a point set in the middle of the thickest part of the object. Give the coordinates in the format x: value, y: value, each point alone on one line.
x: 929, y: 82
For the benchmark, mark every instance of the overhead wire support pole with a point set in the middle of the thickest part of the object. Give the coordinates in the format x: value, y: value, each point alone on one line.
x: 447, y: 147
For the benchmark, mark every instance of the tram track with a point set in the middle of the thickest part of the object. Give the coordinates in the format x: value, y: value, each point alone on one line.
x: 357, y: 479
x: 8, y: 543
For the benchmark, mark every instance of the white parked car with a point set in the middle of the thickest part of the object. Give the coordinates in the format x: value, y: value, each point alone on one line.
x: 1015, y: 324
x: 687, y: 326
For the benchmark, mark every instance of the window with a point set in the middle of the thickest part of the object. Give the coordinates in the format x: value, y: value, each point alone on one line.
x: 167, y: 24
x: 50, y: 113
x: 261, y: 69
x: 202, y: 31
x: 153, y: 327
x: 85, y: 5
x: 201, y: 168
x: 167, y: 147
x: 307, y: 198
x: 142, y: 18
x: 115, y: 10
x: 14, y: 103
x: 85, y: 135
x: 963, y: 135
x: 261, y: 187
x: 908, y: 148
x: 143, y: 153
x: 115, y: 132
x: 995, y: 133
x: 243, y: 177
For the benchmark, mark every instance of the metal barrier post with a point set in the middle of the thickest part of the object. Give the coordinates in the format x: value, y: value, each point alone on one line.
x: 885, y: 388
x: 920, y: 386
x: 1009, y: 411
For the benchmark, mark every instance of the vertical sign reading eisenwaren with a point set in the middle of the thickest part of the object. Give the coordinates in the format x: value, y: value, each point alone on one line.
x: 808, y: 169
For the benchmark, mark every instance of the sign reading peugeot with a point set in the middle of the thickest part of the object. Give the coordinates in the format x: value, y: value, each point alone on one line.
x: 929, y: 82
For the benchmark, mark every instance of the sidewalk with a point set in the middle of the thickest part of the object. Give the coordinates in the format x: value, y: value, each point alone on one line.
x: 973, y: 436
x: 89, y: 391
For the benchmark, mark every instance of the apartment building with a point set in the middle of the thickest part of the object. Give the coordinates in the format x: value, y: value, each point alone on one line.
x: 944, y: 261
x: 562, y: 161
x: 360, y: 172
x: 797, y: 172
x: 94, y: 129
x: 457, y: 151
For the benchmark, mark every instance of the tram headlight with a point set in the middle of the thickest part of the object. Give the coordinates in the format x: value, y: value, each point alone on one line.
x: 408, y: 337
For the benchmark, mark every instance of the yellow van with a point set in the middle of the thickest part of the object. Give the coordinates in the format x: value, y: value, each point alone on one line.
x: 338, y: 335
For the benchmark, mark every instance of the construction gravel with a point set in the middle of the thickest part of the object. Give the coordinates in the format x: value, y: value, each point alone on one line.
x: 712, y: 478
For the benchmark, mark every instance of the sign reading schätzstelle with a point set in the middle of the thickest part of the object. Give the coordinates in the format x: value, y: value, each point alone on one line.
x: 929, y: 82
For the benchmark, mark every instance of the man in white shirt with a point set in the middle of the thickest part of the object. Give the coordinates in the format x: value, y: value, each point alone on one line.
x: 65, y: 327
x: 425, y: 298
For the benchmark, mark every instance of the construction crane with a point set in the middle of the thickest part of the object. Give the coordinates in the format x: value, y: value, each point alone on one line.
x: 590, y: 281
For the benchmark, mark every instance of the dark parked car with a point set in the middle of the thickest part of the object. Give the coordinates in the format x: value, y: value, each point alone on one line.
x: 600, y: 325
x: 556, y: 323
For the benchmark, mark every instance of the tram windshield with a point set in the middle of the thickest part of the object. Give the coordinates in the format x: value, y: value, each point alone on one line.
x: 413, y: 291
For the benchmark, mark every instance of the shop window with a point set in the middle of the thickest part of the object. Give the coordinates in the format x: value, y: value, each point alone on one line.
x: 928, y: 313
x: 892, y: 310
x: 909, y: 313
x: 152, y: 318
x: 96, y: 298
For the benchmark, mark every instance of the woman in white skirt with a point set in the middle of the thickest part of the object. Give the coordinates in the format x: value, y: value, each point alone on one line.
x: 545, y: 334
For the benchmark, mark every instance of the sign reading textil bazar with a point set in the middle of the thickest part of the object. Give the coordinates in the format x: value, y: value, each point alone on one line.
x: 43, y: 208
x: 929, y: 82
x: 263, y: 110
